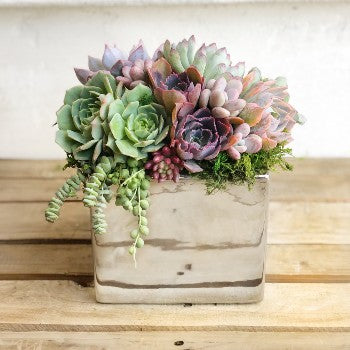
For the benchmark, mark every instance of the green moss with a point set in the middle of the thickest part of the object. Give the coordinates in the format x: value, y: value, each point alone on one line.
x: 222, y: 170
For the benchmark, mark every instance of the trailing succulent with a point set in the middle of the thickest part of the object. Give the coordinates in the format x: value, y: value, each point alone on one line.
x: 185, y: 110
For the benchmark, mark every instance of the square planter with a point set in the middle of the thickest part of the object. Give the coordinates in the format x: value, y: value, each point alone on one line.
x: 201, y: 248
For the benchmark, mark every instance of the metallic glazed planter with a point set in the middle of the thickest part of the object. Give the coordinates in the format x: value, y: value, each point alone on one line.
x: 201, y: 249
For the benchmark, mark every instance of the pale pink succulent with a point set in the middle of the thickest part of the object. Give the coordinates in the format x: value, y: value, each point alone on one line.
x: 131, y: 70
x: 222, y: 96
x: 267, y: 113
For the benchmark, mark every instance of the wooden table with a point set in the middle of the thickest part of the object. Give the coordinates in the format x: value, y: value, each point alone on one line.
x: 46, y: 299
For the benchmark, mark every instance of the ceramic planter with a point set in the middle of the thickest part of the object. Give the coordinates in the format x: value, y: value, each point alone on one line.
x: 201, y: 249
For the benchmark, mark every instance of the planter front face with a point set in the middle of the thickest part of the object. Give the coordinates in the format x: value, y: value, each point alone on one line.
x: 201, y: 248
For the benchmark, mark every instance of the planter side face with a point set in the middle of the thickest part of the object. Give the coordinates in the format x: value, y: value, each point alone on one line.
x: 201, y: 249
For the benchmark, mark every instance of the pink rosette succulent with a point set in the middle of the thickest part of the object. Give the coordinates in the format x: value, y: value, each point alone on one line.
x: 267, y: 119
x: 131, y: 71
x: 198, y: 135
x: 222, y: 96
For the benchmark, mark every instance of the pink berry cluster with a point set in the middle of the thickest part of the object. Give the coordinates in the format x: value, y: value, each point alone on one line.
x: 165, y: 165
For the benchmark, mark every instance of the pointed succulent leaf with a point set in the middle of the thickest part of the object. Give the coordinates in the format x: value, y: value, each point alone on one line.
x: 117, y: 125
x: 96, y: 129
x: 181, y: 48
x: 143, y: 143
x: 111, y: 55
x: 131, y: 136
x: 83, y: 75
x: 106, y: 100
x: 162, y: 135
x: 128, y: 149
x: 83, y: 155
x: 87, y: 145
x: 159, y: 71
x: 138, y: 53
x: 111, y: 143
x: 192, y: 166
x: 76, y: 136
x: 131, y: 108
x: 65, y: 141
x: 97, y: 151
x: 116, y: 106
x: 152, y: 148
x: 175, y: 61
x: 191, y: 44
x: 72, y: 94
x: 95, y: 64
x: 251, y: 114
x: 64, y: 118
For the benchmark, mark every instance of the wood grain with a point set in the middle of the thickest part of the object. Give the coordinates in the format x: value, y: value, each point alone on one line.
x: 157, y: 340
x: 26, y: 169
x: 36, y: 259
x: 290, y: 223
x: 312, y: 180
x: 25, y: 221
x: 285, y: 263
x: 65, y: 306
x: 309, y: 223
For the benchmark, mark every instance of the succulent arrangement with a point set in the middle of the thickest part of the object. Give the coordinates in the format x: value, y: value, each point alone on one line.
x: 185, y: 111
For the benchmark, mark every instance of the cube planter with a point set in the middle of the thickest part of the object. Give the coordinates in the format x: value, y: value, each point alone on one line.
x: 201, y: 248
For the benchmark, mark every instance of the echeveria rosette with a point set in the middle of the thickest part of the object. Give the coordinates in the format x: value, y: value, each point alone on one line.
x: 171, y: 88
x: 83, y: 119
x: 198, y: 135
x: 131, y: 70
x: 267, y: 113
x: 138, y: 126
x: 222, y: 97
x: 211, y: 62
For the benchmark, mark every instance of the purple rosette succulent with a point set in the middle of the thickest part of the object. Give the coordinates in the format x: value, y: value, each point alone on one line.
x: 171, y: 88
x: 198, y: 135
x: 131, y: 70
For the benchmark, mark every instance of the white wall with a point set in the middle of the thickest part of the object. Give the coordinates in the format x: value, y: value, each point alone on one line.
x: 309, y: 43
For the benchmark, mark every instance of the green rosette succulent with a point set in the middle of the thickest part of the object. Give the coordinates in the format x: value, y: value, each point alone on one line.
x: 83, y: 119
x: 98, y: 119
x: 140, y: 125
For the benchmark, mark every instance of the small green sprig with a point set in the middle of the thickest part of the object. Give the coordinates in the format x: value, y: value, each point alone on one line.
x: 222, y: 170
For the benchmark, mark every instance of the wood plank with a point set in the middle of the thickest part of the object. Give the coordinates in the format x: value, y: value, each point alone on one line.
x: 26, y: 168
x: 156, y: 340
x: 65, y: 306
x: 285, y: 263
x: 25, y: 221
x: 312, y: 180
x: 45, y: 259
x: 292, y: 223
x: 30, y: 190
x: 308, y: 263
x: 309, y: 222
